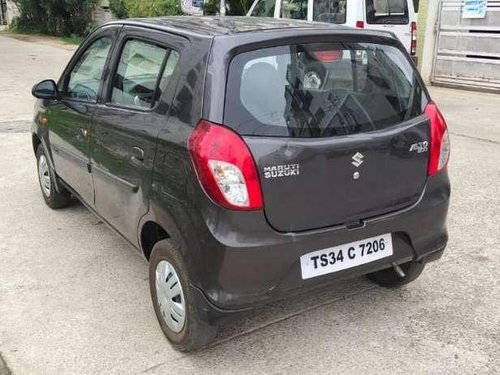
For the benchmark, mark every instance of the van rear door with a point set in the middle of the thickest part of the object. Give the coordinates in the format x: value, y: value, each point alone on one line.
x: 337, y: 130
x: 391, y: 15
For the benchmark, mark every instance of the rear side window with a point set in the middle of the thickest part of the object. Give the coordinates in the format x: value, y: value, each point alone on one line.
x: 294, y: 9
x: 387, y: 12
x: 143, y: 73
x: 264, y: 8
x: 321, y: 90
x: 332, y: 11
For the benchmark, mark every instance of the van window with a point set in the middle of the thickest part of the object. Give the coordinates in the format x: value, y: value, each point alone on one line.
x: 387, y: 12
x: 294, y: 9
x: 264, y: 8
x: 332, y: 11
x: 321, y: 90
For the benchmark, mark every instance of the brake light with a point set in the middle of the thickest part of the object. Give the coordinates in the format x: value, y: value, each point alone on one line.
x: 360, y: 24
x: 439, y: 139
x: 328, y: 56
x: 225, y: 167
x: 413, y: 47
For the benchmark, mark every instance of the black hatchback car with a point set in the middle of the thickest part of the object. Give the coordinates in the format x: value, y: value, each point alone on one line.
x: 247, y: 158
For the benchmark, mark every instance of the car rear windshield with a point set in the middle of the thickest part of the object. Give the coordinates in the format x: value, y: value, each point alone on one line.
x: 387, y: 12
x: 321, y: 90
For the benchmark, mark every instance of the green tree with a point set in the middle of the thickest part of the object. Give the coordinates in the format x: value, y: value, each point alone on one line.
x: 153, y: 8
x: 118, y: 8
x: 56, y: 17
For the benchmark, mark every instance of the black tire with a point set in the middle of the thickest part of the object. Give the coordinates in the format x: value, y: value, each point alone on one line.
x: 53, y: 198
x: 389, y: 278
x: 196, y: 332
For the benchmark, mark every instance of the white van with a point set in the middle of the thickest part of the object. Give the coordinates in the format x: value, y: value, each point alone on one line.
x: 398, y: 16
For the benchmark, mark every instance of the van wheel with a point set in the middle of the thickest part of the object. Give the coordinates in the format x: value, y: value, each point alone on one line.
x: 180, y: 316
x: 53, y: 198
x: 389, y: 278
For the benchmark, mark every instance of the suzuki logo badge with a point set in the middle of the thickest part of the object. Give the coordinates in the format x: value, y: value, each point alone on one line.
x: 357, y: 159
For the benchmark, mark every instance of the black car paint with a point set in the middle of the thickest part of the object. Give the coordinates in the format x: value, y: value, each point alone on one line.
x: 235, y: 259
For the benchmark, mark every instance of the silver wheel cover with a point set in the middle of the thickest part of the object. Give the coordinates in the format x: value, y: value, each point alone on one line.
x: 44, y: 175
x: 170, y: 296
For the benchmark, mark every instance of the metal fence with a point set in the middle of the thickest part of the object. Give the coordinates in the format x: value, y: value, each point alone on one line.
x: 467, y: 50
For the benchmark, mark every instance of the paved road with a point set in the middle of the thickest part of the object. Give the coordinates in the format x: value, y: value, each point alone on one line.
x: 74, y: 296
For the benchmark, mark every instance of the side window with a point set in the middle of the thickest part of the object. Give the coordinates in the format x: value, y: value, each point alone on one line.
x: 387, y: 12
x: 143, y: 73
x: 85, y: 78
x: 332, y: 11
x: 264, y: 8
x: 294, y: 9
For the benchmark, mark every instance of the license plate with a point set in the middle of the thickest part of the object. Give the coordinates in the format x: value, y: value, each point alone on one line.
x: 333, y: 259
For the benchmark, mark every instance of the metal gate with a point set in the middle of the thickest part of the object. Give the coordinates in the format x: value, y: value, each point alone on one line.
x: 467, y: 50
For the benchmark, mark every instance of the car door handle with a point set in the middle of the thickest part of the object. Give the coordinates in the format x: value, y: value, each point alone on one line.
x: 137, y: 154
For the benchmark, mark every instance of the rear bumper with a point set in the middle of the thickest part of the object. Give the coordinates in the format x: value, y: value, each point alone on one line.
x: 247, y: 263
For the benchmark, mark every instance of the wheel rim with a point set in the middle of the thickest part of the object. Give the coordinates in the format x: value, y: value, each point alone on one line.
x: 170, y: 296
x: 44, y: 175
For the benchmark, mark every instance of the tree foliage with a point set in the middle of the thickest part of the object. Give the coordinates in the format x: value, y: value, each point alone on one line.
x: 154, y: 8
x: 118, y: 8
x: 145, y: 8
x: 55, y: 17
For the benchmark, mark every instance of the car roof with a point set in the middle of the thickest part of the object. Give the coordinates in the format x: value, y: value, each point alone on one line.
x: 226, y: 25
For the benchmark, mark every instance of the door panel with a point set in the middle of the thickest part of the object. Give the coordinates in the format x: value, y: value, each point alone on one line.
x: 126, y: 125
x: 69, y: 127
x: 70, y: 117
x: 123, y: 151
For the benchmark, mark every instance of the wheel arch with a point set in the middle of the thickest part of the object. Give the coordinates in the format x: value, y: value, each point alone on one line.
x: 151, y: 233
x: 36, y: 142
x: 170, y: 219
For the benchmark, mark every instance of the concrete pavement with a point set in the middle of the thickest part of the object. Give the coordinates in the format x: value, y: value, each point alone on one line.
x: 74, y: 296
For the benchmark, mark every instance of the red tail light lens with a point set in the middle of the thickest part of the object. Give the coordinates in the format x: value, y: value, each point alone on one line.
x: 360, y: 24
x: 413, y: 47
x: 439, y: 140
x: 225, y: 167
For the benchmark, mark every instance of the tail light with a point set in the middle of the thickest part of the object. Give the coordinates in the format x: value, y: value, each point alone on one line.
x: 225, y: 167
x: 413, y: 47
x: 439, y: 140
x: 360, y: 24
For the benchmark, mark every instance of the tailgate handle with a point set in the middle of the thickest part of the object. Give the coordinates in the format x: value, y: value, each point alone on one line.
x: 355, y: 224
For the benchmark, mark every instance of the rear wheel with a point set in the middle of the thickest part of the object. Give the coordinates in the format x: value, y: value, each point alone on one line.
x: 390, y: 278
x: 180, y: 316
x: 53, y: 198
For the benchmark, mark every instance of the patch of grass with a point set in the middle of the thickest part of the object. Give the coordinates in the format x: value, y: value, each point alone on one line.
x: 73, y: 39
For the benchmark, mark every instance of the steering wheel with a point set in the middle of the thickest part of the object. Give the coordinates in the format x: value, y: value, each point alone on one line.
x: 81, y: 91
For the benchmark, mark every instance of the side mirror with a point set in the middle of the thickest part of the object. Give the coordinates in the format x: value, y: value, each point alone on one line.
x: 46, y: 89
